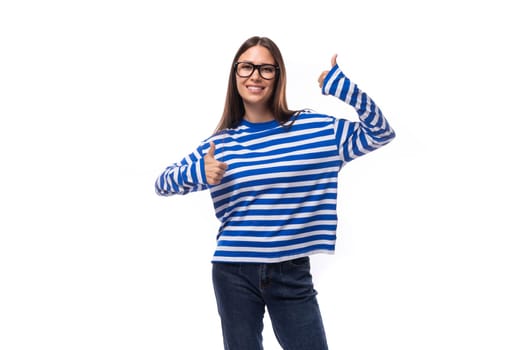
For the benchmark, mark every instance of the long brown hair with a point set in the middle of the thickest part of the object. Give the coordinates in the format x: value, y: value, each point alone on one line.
x: 234, y: 107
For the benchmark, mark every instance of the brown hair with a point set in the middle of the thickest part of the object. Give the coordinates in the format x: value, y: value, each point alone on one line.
x: 234, y: 107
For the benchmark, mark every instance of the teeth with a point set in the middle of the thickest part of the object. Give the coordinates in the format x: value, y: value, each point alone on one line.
x: 254, y: 88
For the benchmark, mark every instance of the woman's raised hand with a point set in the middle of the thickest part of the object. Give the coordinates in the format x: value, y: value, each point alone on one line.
x: 325, y: 73
x: 214, y: 169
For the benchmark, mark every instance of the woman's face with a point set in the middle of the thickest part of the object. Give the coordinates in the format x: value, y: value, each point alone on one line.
x: 255, y: 90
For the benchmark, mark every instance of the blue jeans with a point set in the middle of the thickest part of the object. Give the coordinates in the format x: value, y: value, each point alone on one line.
x: 244, y: 290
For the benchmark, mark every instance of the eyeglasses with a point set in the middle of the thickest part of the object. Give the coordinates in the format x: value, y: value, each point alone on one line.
x: 246, y: 69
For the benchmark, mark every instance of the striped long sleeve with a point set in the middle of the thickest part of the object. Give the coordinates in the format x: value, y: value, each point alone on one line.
x: 183, y: 177
x: 373, y: 131
x: 278, y: 198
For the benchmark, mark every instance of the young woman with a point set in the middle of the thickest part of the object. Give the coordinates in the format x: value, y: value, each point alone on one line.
x: 272, y: 173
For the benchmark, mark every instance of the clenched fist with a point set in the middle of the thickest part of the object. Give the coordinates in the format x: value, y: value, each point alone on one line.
x: 214, y: 169
x: 325, y: 73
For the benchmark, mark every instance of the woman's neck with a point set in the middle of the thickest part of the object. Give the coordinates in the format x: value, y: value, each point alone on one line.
x: 258, y: 115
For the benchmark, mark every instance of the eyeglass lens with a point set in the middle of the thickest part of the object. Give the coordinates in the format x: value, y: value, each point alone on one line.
x: 246, y: 69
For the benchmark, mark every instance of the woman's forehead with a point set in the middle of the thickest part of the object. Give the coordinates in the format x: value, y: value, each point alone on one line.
x: 257, y: 54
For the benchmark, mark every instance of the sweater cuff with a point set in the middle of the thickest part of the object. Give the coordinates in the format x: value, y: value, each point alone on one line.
x: 201, y: 173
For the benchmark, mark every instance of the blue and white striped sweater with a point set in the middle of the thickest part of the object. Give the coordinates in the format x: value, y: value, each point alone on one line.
x: 277, y: 200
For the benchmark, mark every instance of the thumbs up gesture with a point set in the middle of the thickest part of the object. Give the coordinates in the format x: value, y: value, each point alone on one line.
x: 325, y: 73
x: 214, y: 169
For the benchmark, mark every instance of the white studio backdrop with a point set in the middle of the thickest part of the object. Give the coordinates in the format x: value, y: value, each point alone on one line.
x: 97, y: 97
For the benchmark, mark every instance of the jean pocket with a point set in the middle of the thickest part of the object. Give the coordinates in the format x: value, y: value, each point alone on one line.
x: 299, y: 262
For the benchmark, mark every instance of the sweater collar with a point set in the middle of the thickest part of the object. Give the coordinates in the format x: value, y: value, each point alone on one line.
x: 259, y: 126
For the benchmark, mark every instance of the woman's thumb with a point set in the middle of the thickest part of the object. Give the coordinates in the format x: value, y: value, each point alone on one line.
x: 211, y: 151
x: 334, y: 60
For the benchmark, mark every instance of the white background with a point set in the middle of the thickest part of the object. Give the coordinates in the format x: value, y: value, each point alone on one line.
x: 97, y: 97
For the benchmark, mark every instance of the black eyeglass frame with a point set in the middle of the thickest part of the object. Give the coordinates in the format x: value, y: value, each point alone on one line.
x: 258, y: 67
